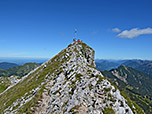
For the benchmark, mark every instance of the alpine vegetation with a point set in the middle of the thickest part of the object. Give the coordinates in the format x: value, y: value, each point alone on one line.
x: 68, y: 83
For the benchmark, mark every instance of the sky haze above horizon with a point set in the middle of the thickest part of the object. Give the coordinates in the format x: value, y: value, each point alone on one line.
x: 115, y: 29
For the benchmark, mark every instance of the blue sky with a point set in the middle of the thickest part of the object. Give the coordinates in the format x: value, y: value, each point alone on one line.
x: 115, y: 29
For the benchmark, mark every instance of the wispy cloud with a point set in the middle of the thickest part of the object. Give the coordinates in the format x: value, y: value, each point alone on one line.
x: 135, y: 32
x: 116, y: 30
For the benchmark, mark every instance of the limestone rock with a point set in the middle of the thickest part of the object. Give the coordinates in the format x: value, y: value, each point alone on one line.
x: 71, y: 84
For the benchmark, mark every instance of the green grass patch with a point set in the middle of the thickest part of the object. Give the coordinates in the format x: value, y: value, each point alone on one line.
x: 31, y: 82
x: 108, y: 110
x: 130, y: 103
x: 3, y: 88
x: 75, y: 109
x: 90, y: 86
x: 107, y: 89
x: 78, y: 77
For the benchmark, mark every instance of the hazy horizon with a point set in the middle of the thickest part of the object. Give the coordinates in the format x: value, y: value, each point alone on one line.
x: 23, y: 60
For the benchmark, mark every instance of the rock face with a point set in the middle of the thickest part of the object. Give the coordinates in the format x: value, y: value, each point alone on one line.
x: 81, y: 88
x: 71, y: 84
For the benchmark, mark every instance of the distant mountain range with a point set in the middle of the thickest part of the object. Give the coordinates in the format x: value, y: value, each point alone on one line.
x: 21, y: 61
x: 141, y: 65
x: 144, y: 66
x: 6, y: 65
x: 19, y: 70
x: 68, y: 83
x: 136, y: 84
x: 106, y: 64
x: 132, y: 77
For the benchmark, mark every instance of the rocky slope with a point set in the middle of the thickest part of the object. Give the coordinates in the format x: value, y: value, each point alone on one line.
x: 134, y: 80
x: 69, y: 84
x: 135, y: 83
x: 7, y: 82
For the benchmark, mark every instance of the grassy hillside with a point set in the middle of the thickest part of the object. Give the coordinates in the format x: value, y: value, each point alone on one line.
x: 24, y: 96
x: 6, y: 65
x: 25, y: 87
x: 19, y: 70
x: 133, y: 83
x: 5, y: 82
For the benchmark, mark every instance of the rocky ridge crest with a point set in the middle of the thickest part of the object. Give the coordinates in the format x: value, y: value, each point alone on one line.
x: 80, y: 88
x: 69, y: 84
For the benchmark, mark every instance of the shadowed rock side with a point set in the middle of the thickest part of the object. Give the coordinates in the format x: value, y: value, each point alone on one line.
x: 70, y: 84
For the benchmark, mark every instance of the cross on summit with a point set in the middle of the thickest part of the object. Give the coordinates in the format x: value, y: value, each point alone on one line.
x: 76, y: 36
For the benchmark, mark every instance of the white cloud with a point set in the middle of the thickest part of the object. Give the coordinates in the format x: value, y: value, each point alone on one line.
x: 135, y: 32
x: 116, y: 30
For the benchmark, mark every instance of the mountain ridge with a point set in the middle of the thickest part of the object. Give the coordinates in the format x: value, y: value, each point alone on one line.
x: 19, y: 70
x: 67, y: 83
x: 136, y: 84
x: 140, y: 65
x: 7, y: 65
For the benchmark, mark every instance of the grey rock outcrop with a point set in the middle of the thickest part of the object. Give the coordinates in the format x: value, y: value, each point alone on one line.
x: 69, y: 83
x: 80, y: 88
